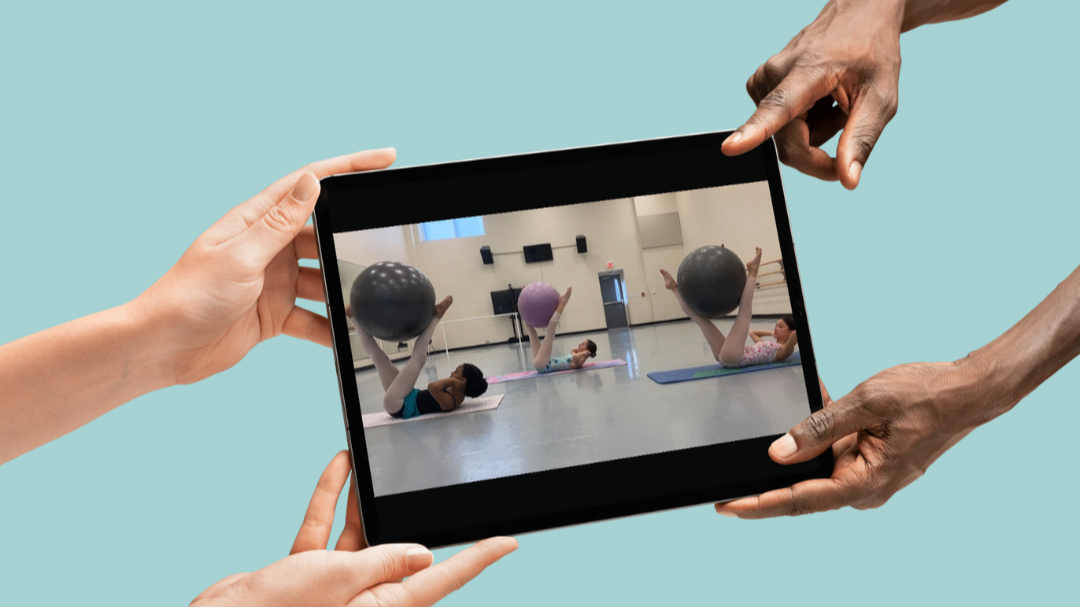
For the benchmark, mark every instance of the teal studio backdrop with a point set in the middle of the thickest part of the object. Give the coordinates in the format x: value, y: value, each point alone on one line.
x: 128, y: 129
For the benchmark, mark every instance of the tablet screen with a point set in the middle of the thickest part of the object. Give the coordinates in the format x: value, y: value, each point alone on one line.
x: 581, y: 333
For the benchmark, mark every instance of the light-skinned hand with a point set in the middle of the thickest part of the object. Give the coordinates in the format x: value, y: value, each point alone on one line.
x: 238, y: 283
x: 234, y: 287
x: 351, y: 574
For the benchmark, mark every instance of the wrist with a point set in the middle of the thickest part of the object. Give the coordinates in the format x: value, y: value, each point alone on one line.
x: 924, y: 12
x: 870, y: 15
x: 144, y: 346
x: 983, y: 391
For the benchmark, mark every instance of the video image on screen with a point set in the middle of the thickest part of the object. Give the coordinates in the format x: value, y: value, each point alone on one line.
x: 527, y: 341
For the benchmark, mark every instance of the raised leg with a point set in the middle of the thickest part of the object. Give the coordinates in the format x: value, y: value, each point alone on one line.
x: 542, y: 355
x: 735, y: 348
x: 383, y: 365
x: 712, y: 333
x: 534, y: 340
x: 406, y: 379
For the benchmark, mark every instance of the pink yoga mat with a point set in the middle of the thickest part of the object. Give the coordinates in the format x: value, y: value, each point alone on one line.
x: 533, y: 374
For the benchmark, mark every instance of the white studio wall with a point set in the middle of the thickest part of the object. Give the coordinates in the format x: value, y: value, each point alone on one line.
x: 739, y: 216
x: 455, y: 264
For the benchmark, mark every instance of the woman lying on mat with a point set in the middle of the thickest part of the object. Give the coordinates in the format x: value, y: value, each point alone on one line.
x: 402, y: 399
x: 732, y: 350
x: 542, y: 359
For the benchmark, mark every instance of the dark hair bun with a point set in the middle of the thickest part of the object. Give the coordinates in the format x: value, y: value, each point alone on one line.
x: 475, y: 383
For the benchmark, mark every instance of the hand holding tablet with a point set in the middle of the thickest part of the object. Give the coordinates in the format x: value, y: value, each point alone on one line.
x: 351, y: 574
x: 234, y: 287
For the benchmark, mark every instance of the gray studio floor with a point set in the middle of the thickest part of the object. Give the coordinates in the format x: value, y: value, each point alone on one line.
x: 584, y: 417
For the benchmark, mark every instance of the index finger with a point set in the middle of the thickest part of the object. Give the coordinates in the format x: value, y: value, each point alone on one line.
x: 305, y: 245
x: 795, y: 94
x: 315, y: 531
x: 248, y: 212
x: 800, y: 499
x: 352, y: 536
x: 431, y: 585
x: 365, y: 160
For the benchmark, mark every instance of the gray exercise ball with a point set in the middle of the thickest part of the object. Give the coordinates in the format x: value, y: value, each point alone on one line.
x: 711, y: 280
x: 392, y: 301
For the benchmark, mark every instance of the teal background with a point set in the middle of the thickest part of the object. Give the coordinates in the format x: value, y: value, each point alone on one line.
x: 128, y: 129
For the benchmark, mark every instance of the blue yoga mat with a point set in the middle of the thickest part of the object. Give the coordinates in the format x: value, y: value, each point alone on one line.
x: 712, y: 371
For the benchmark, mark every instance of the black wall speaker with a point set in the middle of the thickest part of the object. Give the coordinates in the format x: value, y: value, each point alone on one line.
x: 581, y: 244
x: 485, y: 254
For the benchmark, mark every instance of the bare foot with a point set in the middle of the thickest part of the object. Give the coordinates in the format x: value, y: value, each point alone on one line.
x: 669, y: 282
x: 752, y: 265
x: 440, y: 308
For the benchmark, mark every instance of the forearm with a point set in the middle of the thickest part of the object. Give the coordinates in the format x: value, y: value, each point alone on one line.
x: 59, y: 379
x: 1004, y: 371
x: 443, y: 392
x: 899, y: 15
x: 923, y: 12
x: 439, y: 386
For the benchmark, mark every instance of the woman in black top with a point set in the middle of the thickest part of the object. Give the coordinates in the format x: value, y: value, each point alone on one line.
x: 402, y: 399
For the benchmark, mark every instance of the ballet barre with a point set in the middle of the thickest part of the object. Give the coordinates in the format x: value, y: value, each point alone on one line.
x: 783, y: 277
x: 446, y: 344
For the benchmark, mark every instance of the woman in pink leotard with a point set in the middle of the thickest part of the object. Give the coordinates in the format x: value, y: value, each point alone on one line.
x: 731, y: 351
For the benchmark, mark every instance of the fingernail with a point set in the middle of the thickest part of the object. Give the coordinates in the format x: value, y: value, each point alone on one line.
x: 784, y: 446
x: 419, y: 558
x: 734, y: 138
x: 855, y: 171
x: 305, y: 187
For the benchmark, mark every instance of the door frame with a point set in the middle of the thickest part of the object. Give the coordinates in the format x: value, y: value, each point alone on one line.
x: 618, y: 272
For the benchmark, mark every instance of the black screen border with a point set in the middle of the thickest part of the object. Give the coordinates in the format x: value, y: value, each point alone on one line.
x: 585, y: 493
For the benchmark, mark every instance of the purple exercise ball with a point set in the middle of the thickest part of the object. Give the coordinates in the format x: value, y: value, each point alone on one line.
x: 537, y: 303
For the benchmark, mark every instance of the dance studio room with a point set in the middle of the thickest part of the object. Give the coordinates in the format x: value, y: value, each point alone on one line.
x: 625, y: 368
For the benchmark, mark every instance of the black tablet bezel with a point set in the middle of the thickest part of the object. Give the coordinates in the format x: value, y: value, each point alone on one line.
x: 461, y: 513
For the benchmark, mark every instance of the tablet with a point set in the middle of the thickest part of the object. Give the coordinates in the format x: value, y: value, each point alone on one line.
x: 493, y: 419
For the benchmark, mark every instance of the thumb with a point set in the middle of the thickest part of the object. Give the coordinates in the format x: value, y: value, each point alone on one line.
x: 269, y: 234
x: 811, y: 437
x: 870, y: 112
x: 328, y: 578
x: 387, y: 563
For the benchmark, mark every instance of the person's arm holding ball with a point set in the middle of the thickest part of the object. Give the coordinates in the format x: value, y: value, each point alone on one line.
x: 233, y: 288
x: 886, y: 432
x: 849, y: 56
